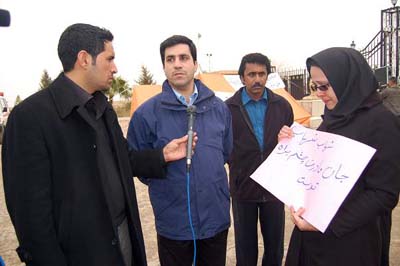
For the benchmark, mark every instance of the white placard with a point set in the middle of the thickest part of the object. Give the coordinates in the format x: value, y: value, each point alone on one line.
x: 315, y: 170
x: 274, y: 82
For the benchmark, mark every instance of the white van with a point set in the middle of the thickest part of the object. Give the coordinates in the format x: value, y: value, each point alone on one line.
x: 4, y: 112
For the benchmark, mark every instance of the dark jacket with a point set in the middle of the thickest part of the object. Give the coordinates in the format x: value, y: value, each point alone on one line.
x: 391, y: 99
x: 353, y: 236
x: 54, y: 193
x: 247, y: 155
x: 163, y: 118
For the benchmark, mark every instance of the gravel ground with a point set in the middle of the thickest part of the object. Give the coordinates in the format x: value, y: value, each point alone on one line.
x: 8, y: 242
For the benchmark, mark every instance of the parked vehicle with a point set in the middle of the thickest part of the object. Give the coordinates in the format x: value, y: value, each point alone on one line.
x: 4, y: 112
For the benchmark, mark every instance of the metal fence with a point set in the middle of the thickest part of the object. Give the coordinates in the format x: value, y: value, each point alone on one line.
x: 296, y: 82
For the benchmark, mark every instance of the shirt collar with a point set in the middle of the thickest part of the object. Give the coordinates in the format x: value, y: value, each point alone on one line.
x: 100, y: 101
x: 83, y: 97
x: 182, y: 99
x: 246, y: 98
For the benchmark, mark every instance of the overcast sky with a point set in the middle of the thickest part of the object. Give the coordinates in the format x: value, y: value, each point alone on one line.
x: 287, y: 31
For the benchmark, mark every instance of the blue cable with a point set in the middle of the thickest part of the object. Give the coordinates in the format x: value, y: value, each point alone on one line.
x: 190, y: 217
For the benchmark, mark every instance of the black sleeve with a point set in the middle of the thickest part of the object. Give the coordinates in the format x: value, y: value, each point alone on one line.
x: 148, y: 163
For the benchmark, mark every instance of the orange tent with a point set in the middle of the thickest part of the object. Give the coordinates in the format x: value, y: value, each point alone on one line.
x: 141, y: 93
x: 222, y: 88
x: 214, y: 81
x: 301, y: 116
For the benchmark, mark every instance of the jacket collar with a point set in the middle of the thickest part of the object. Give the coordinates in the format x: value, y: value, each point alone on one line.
x: 169, y: 100
x: 236, y: 99
x: 246, y: 97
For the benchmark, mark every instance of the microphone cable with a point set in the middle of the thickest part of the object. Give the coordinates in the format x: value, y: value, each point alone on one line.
x: 190, y: 216
x: 191, y: 112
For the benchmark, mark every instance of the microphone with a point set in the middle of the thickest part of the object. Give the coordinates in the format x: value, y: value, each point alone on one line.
x: 191, y: 113
x: 4, y: 18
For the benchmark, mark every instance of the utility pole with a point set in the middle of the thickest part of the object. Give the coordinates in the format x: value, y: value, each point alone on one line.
x: 209, y: 61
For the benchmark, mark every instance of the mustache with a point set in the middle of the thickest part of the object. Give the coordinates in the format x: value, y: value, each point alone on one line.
x: 256, y: 85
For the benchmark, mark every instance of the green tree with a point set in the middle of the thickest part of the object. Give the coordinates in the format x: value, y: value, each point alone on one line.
x: 17, y: 100
x: 146, y: 78
x: 118, y: 86
x: 45, y: 80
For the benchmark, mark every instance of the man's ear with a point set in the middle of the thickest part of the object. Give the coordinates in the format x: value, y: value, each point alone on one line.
x: 241, y: 79
x: 84, y: 59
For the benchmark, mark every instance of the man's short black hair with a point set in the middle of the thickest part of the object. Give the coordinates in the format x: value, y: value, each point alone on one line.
x: 254, y: 58
x: 174, y: 40
x: 78, y: 37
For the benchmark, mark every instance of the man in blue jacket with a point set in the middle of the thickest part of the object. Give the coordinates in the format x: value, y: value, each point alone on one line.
x: 205, y: 186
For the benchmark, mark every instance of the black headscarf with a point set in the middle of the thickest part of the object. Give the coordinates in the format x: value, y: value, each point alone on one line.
x: 352, y: 80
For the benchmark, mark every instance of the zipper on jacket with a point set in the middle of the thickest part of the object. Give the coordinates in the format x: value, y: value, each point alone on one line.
x: 250, y: 125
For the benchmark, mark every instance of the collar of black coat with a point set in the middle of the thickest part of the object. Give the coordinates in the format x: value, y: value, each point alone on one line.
x: 66, y: 97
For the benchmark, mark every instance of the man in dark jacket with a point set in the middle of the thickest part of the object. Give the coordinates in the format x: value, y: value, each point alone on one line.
x: 391, y: 96
x: 257, y: 116
x: 66, y: 166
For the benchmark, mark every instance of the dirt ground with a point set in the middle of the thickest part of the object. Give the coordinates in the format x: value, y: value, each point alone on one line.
x: 8, y: 242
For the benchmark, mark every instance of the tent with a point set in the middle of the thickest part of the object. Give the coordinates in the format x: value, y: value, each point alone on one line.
x: 141, y: 93
x: 223, y: 83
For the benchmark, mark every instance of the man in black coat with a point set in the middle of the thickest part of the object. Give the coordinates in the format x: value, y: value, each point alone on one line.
x: 67, y: 169
x: 257, y: 116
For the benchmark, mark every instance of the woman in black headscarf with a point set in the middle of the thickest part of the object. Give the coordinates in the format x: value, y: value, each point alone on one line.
x: 353, y: 108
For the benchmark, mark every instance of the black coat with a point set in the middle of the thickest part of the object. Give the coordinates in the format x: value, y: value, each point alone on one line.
x: 247, y: 156
x: 54, y: 193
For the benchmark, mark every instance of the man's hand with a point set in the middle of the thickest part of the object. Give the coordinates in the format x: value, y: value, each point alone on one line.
x: 176, y: 148
x: 302, y: 224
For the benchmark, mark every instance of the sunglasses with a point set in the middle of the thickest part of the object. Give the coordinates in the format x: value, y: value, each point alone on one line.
x: 323, y: 87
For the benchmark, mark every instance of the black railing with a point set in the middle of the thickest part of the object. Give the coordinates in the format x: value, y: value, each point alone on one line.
x: 382, y: 52
x: 296, y: 81
x: 373, y: 52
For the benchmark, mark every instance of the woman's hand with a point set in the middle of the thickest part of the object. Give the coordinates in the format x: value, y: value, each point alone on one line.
x: 284, y: 133
x: 302, y: 224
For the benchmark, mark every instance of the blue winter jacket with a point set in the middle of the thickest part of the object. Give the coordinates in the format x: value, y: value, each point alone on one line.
x: 163, y: 118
